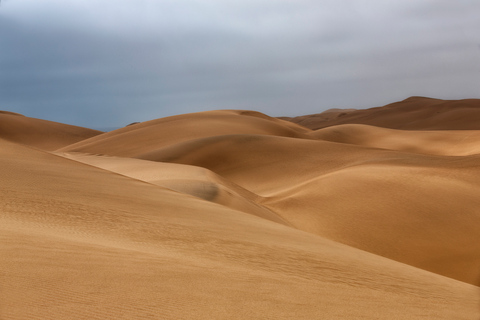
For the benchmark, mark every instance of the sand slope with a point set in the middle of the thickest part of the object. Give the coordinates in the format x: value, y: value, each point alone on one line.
x: 439, y: 142
x: 140, y: 138
x: 46, y: 135
x: 414, y: 113
x: 332, y: 187
x: 236, y: 215
x: 192, y: 180
x: 82, y: 243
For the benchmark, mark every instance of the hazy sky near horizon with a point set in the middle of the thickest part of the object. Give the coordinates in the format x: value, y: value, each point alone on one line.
x: 107, y: 63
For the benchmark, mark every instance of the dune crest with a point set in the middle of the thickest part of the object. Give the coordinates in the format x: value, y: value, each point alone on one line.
x: 46, y: 135
x: 439, y: 142
x: 195, y: 181
x: 137, y: 139
x: 414, y: 113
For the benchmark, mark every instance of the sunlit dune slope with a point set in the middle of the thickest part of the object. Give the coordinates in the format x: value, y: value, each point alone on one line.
x: 43, y: 134
x: 143, y: 137
x: 196, y: 181
x: 417, y: 209
x: 78, y: 242
x: 438, y: 142
x: 414, y: 113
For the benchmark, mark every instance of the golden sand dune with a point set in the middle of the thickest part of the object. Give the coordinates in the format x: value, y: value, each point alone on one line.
x: 237, y: 215
x: 332, y: 188
x: 143, y: 137
x: 83, y: 243
x: 439, y: 142
x: 196, y: 181
x: 46, y: 135
x: 414, y: 113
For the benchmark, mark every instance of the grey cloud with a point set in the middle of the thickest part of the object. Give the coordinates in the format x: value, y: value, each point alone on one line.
x: 95, y: 63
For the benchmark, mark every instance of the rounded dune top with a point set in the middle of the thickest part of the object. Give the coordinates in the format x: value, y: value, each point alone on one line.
x: 42, y: 134
x: 151, y: 135
x: 414, y: 113
x: 11, y: 113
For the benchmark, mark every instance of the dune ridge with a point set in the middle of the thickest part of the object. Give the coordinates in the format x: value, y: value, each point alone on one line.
x: 414, y: 113
x: 43, y: 134
x: 143, y: 137
x: 233, y: 214
x: 439, y: 142
x: 191, y: 180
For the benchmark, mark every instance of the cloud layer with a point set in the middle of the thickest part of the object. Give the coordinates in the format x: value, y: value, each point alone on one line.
x: 94, y: 63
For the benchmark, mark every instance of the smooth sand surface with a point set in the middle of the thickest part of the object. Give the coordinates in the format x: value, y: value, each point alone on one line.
x: 196, y: 181
x: 438, y: 142
x: 333, y: 188
x: 143, y: 137
x: 42, y: 134
x: 237, y: 215
x: 414, y: 113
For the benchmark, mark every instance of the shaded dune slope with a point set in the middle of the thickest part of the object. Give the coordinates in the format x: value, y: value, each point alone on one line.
x: 414, y: 113
x: 43, y: 134
x: 366, y: 198
x: 140, y: 138
x: 439, y: 142
x: 303, y: 179
x: 80, y: 242
x: 196, y: 181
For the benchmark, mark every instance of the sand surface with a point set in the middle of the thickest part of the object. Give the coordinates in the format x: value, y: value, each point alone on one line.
x: 414, y: 113
x: 42, y: 134
x: 236, y: 215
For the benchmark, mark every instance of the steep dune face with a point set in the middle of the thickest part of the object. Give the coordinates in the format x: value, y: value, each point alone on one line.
x: 46, y: 135
x: 143, y: 137
x: 80, y: 242
x: 414, y: 113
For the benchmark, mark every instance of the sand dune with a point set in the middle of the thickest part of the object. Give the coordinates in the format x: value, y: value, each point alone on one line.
x: 312, y: 120
x: 196, y: 181
x: 46, y: 135
x: 333, y: 187
x: 143, y: 137
x: 414, y: 113
x: 100, y: 245
x: 237, y: 215
x: 439, y: 142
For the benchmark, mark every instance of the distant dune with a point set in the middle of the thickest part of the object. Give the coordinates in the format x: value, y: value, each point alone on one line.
x: 414, y: 113
x: 46, y: 135
x: 434, y: 142
x: 237, y: 215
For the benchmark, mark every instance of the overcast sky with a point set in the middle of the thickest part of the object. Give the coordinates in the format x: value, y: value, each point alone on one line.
x: 105, y: 63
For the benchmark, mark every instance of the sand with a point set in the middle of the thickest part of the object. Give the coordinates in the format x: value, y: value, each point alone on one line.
x: 414, y: 113
x: 42, y: 134
x: 236, y: 215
